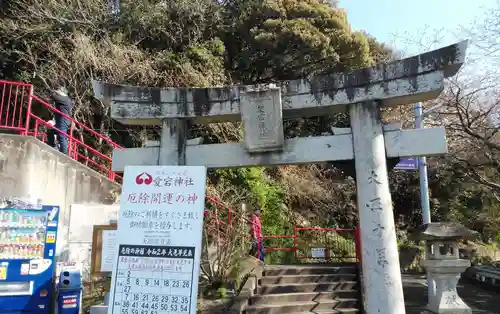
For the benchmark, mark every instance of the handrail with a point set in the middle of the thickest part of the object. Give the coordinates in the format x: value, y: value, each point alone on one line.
x: 15, y: 83
x: 28, y: 110
x: 354, y: 251
x: 73, y: 139
x: 73, y: 142
x: 43, y: 102
x: 12, y: 101
x: 17, y: 96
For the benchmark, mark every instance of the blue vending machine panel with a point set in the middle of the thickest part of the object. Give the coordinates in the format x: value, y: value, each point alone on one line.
x: 27, y: 259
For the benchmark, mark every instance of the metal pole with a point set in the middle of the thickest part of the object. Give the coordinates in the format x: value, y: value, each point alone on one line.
x: 422, y: 169
x: 424, y: 188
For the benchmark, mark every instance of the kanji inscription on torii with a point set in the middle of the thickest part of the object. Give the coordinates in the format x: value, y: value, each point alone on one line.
x: 262, y: 119
x: 360, y: 93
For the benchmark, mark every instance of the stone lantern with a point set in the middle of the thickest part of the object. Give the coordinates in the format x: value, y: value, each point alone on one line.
x: 444, y: 265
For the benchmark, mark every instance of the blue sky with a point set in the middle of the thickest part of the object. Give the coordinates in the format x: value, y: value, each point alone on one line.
x: 391, y: 21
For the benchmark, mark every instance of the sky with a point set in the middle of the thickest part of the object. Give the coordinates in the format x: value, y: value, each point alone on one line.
x: 396, y: 22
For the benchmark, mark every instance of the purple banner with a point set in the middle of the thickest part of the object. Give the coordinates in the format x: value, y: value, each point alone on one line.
x: 410, y: 163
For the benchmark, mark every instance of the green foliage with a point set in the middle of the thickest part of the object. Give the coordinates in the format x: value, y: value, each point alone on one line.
x: 222, y: 292
x: 379, y: 51
x: 277, y: 40
x: 264, y: 194
x: 481, y: 260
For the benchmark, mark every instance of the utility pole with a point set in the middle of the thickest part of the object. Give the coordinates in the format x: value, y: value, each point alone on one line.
x: 422, y: 169
x: 424, y: 184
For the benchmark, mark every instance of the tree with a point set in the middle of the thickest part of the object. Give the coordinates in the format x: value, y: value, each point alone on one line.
x: 471, y: 118
x: 71, y: 42
x: 465, y: 184
x: 281, y: 40
x: 472, y: 106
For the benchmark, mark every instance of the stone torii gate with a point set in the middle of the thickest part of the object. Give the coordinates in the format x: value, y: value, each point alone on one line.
x: 261, y: 108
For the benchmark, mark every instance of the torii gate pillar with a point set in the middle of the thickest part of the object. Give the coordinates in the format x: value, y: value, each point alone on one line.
x: 261, y: 108
x: 382, y: 288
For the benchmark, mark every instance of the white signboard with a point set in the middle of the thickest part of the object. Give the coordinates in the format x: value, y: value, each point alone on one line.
x: 159, y: 240
x: 318, y: 252
x: 109, y: 250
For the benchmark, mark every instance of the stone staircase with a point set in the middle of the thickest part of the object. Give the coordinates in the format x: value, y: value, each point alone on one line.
x: 322, y: 289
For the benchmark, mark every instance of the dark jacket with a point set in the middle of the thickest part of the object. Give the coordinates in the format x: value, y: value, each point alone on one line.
x: 63, y: 103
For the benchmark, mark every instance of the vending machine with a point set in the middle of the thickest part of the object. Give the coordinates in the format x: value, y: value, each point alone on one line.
x: 27, y: 259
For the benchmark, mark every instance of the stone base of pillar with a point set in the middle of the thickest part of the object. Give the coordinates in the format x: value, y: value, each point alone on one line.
x: 450, y: 311
x: 453, y: 309
x: 446, y: 274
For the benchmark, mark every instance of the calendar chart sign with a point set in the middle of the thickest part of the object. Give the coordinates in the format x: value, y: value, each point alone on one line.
x: 158, y: 240
x: 154, y: 279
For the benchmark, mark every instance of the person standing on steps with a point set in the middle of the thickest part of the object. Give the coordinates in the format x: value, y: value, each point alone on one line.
x: 258, y: 243
x: 63, y: 103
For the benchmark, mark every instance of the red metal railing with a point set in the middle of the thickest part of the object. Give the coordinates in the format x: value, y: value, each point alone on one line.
x: 16, y: 115
x: 233, y: 225
x: 357, y: 237
x: 329, y: 243
x: 15, y: 101
x: 338, y: 244
x: 78, y: 149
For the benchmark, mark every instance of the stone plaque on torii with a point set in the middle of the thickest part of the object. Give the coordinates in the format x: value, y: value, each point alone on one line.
x: 261, y: 108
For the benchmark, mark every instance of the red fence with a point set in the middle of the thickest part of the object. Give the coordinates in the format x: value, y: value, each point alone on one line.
x: 16, y: 116
x: 305, y: 244
x: 319, y: 244
x: 79, y: 137
x: 15, y: 104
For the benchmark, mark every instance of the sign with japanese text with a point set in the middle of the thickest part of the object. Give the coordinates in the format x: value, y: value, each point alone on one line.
x: 109, y: 250
x: 318, y: 252
x: 410, y: 163
x: 158, y: 240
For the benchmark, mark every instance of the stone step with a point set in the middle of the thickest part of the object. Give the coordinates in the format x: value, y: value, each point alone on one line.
x: 307, y: 287
x: 304, y: 297
x: 311, y: 306
x: 273, y: 280
x: 310, y: 270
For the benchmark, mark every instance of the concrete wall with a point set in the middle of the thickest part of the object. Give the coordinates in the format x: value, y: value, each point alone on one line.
x: 29, y: 169
x: 83, y: 218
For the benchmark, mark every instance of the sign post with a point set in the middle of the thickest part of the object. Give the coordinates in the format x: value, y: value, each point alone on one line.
x: 159, y: 240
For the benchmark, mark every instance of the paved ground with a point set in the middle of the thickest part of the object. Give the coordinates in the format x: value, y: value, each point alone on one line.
x: 481, y: 301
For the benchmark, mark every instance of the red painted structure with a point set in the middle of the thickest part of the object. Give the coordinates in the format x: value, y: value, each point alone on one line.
x: 18, y: 104
x: 17, y: 115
